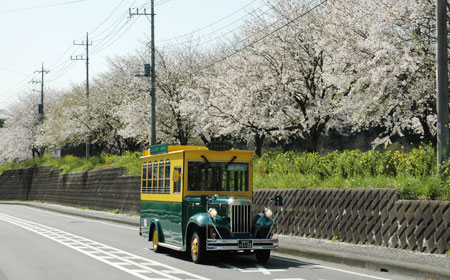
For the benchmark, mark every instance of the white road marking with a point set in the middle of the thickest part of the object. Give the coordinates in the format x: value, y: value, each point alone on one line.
x: 292, y: 279
x: 336, y: 269
x: 259, y: 268
x: 135, y: 265
x: 82, y: 219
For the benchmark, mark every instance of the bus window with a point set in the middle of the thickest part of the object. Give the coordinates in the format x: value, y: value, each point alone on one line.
x: 218, y: 176
x: 167, y: 177
x: 177, y: 184
x: 155, y: 177
x: 144, y: 177
x: 149, y: 178
x: 161, y: 177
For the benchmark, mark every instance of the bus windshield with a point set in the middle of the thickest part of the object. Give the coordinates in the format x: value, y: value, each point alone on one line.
x: 218, y: 176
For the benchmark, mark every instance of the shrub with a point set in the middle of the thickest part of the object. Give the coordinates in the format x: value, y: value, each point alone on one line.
x: 412, y: 173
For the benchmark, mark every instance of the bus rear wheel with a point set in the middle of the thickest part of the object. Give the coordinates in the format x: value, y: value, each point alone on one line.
x: 155, y: 241
x: 198, y: 250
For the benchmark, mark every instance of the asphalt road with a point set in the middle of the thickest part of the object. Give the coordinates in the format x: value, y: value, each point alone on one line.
x: 38, y: 244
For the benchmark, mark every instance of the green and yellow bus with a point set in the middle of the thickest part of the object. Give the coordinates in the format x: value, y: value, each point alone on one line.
x: 199, y: 199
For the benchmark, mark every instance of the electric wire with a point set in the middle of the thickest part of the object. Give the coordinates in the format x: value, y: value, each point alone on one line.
x: 13, y: 71
x: 108, y: 17
x: 209, y: 25
x: 220, y: 36
x: 111, y: 40
x: 237, y: 50
x: 40, y: 7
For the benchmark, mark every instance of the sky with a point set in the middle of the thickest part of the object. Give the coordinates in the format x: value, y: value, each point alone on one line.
x: 37, y: 32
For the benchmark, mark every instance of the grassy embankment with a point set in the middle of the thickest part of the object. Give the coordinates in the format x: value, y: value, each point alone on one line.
x: 131, y: 162
x: 412, y: 173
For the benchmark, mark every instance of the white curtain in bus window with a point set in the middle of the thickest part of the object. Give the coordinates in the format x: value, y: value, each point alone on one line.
x: 144, y: 178
x: 161, y: 177
x: 167, y: 177
x: 149, y: 178
x: 155, y: 177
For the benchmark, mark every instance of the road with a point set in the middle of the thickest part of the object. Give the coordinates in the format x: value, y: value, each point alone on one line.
x: 38, y: 244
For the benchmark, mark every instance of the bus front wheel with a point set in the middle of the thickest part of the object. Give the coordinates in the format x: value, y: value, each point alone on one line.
x: 198, y: 250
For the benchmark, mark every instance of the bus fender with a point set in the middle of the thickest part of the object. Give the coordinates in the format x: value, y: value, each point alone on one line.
x: 194, y: 223
x: 199, y: 219
x: 156, y: 224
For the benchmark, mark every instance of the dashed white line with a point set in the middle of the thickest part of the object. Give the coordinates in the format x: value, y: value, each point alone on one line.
x: 84, y: 219
x: 135, y: 265
x: 337, y: 269
x: 259, y: 268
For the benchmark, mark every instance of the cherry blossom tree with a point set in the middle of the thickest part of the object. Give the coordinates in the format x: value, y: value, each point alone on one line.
x: 20, y: 130
x: 175, y: 78
x: 275, y: 86
x: 385, y: 57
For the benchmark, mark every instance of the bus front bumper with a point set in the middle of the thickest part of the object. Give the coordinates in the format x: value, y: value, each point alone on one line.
x: 241, y: 244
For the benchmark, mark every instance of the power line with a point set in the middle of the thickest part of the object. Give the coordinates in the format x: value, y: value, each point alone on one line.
x: 12, y: 71
x: 60, y: 69
x: 211, y: 24
x: 113, y: 39
x: 261, y: 38
x: 108, y: 17
x: 221, y: 36
x: 40, y: 7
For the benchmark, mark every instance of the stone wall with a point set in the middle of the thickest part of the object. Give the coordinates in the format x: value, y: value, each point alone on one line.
x: 97, y: 189
x: 362, y: 216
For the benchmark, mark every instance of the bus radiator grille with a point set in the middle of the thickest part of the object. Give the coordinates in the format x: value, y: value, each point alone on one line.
x: 240, y: 218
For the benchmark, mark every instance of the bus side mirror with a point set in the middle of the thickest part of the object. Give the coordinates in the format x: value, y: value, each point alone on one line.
x: 203, y: 200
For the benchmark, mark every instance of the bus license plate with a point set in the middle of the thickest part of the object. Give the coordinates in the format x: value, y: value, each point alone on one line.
x: 245, y: 244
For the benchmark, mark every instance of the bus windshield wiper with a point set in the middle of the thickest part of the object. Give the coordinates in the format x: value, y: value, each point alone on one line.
x: 206, y: 160
x: 228, y: 163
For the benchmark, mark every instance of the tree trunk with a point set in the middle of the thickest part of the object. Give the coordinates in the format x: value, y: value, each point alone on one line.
x: 259, y: 140
x: 428, y: 137
x: 314, y: 134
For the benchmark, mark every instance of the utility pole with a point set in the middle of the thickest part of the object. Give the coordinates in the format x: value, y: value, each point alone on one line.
x: 152, y: 71
x: 41, y: 105
x: 443, y: 151
x: 80, y: 57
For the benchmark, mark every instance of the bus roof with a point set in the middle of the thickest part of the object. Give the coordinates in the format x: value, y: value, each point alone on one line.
x: 177, y: 148
x: 182, y: 148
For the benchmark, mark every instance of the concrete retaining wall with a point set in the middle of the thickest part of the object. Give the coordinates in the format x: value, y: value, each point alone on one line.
x: 97, y: 189
x: 362, y: 216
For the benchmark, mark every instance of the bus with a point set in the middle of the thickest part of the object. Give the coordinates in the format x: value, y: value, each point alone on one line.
x: 198, y: 199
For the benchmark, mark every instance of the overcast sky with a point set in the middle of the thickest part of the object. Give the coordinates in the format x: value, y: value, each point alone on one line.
x: 43, y: 31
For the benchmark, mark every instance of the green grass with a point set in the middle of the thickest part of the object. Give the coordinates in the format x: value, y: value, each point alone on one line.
x: 130, y: 161
x: 408, y: 187
x: 412, y: 174
x: 115, y: 211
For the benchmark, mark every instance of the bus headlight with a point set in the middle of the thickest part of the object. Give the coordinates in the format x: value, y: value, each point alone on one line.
x: 268, y: 213
x: 212, y: 212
